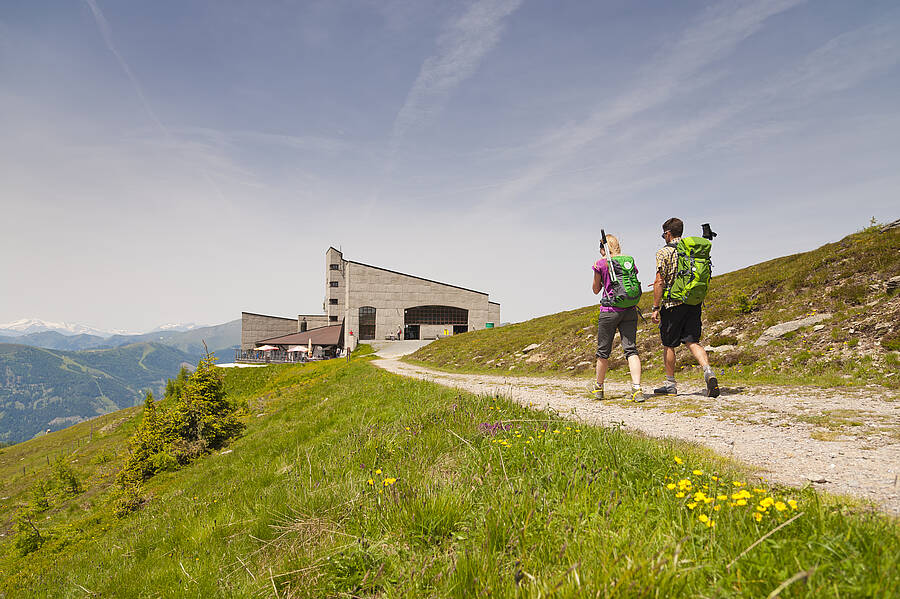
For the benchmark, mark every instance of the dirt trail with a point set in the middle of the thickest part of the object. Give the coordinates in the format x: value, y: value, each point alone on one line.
x: 848, y: 438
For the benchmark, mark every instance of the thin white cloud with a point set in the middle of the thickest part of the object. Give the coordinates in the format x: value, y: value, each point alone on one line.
x: 712, y: 37
x: 850, y: 58
x: 460, y: 49
x: 106, y: 33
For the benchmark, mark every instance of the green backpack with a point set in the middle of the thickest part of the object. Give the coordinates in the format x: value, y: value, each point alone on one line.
x: 626, y: 288
x: 692, y: 272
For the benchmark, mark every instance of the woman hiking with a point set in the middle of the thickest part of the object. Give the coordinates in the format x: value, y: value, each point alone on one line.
x: 611, y: 319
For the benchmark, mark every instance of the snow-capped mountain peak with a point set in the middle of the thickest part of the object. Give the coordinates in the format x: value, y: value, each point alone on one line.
x: 179, y: 327
x: 26, y: 326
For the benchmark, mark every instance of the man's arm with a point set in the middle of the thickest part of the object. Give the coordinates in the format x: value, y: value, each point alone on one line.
x: 658, y: 287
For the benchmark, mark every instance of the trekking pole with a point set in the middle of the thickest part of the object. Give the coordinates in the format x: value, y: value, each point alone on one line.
x: 609, y: 267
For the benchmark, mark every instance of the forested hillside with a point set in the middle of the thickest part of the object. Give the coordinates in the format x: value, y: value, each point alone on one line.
x: 44, y: 389
x: 219, y: 338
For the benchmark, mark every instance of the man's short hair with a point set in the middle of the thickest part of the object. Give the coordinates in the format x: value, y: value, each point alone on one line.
x: 674, y: 226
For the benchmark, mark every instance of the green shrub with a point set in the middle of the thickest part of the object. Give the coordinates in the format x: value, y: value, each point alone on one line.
x: 853, y: 342
x: 803, y: 357
x: 744, y: 304
x: 65, y: 478
x: 200, y: 418
x: 40, y: 499
x: 717, y: 340
x: 28, y: 538
x: 850, y: 293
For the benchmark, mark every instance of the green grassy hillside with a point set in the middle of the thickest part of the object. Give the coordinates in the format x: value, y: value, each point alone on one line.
x: 352, y: 482
x: 858, y: 344
x: 44, y: 389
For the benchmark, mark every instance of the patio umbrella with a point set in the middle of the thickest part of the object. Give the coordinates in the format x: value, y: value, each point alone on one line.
x: 296, y: 348
x: 266, y: 348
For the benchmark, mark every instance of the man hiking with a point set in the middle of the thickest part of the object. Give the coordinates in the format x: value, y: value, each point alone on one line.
x: 679, y: 322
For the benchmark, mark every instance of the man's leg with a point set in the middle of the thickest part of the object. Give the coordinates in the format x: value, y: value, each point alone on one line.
x: 699, y: 354
x: 712, y: 383
x: 669, y: 360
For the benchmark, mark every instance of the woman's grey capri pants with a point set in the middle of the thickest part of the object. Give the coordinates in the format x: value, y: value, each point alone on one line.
x: 626, y: 323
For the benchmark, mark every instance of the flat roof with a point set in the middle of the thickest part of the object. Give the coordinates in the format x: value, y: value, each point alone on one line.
x: 269, y: 316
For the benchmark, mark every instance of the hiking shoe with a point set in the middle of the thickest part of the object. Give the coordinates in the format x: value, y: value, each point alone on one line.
x: 637, y: 395
x: 666, y: 389
x: 597, y: 392
x: 712, y: 387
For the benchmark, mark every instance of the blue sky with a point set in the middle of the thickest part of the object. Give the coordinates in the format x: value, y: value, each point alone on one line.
x: 183, y: 161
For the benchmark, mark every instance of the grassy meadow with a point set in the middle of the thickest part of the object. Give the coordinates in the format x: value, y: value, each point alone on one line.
x: 352, y: 482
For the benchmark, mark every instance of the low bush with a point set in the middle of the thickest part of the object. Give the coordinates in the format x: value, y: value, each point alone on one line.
x: 199, y: 419
x: 718, y: 340
x: 744, y: 304
x: 849, y: 293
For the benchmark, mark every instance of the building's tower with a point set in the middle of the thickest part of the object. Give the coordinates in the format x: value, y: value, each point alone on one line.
x: 335, y: 285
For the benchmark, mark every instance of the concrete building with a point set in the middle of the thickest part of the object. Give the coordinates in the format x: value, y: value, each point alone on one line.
x: 374, y: 303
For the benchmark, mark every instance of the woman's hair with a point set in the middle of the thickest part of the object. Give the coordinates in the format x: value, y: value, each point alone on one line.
x: 612, y: 242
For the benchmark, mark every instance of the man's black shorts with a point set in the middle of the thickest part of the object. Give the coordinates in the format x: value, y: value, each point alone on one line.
x: 679, y: 324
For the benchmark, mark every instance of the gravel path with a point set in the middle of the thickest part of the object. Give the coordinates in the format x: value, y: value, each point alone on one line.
x: 843, y: 441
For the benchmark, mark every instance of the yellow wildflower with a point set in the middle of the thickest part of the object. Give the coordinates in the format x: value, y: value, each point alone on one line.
x: 698, y: 472
x: 670, y: 486
x: 741, y: 502
x: 714, y: 477
x: 761, y: 509
x: 678, y: 460
x: 757, y: 516
x: 679, y: 494
x: 703, y: 518
x: 722, y: 497
x: 792, y: 503
x: 767, y: 502
x: 692, y: 505
x: 378, y: 471
x: 780, y: 506
x: 389, y: 481
x: 717, y: 507
x: 371, y: 482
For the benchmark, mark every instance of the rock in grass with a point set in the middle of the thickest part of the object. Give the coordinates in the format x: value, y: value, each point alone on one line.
x: 776, y: 331
x: 528, y: 348
x: 719, y: 348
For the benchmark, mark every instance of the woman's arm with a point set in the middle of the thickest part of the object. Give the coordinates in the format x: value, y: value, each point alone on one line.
x: 598, y: 283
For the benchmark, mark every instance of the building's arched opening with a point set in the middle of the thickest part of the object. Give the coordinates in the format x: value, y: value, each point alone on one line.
x: 366, y: 323
x: 445, y: 316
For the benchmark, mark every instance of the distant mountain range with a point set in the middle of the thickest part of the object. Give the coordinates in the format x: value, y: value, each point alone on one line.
x: 56, y: 374
x: 44, y: 389
x: 27, y: 326
x: 220, y: 339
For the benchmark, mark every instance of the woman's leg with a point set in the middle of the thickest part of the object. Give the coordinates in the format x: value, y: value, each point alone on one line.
x: 602, y: 367
x: 634, y: 367
x: 628, y: 333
